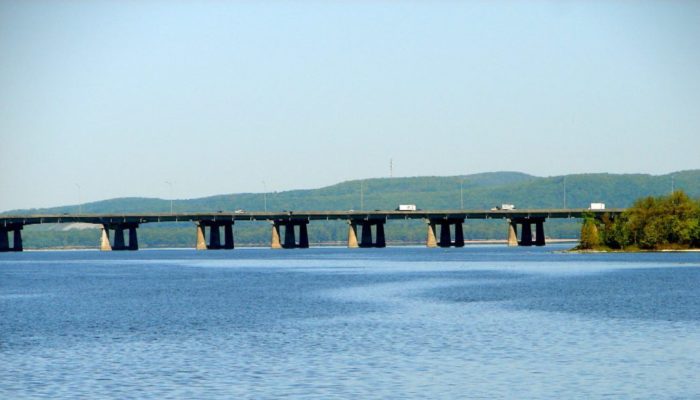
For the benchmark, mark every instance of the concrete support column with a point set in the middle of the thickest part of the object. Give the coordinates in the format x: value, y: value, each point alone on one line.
x: 512, y: 233
x: 431, y: 241
x: 16, y: 230
x: 445, y: 238
x: 133, y: 239
x: 275, y: 241
x: 303, y: 236
x: 201, y: 239
x: 214, y: 236
x: 228, y: 235
x: 18, y: 239
x: 459, y: 235
x: 4, y: 240
x: 526, y: 235
x: 539, y: 233
x: 352, y: 235
x: 105, y: 245
x: 290, y: 240
x: 118, y: 238
x: 366, y: 234
x: 380, y: 240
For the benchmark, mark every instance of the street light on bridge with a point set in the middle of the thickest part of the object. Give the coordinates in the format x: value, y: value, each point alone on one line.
x: 171, y: 195
x: 80, y: 200
x: 264, y: 196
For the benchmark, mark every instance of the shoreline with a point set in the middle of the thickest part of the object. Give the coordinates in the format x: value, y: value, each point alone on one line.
x: 316, y: 245
x: 592, y: 251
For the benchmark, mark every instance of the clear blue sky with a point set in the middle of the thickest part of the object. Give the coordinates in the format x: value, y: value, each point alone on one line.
x: 118, y: 97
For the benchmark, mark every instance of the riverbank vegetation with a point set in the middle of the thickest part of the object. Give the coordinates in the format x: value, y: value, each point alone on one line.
x: 652, y: 223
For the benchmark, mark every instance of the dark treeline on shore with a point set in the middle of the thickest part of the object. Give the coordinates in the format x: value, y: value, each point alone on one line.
x: 651, y: 223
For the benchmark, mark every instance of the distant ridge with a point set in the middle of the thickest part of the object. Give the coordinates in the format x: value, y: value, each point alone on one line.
x: 481, y: 190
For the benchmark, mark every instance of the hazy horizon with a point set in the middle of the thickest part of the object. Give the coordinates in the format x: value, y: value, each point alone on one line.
x: 107, y: 99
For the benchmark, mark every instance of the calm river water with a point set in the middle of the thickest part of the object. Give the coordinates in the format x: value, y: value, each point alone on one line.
x: 478, y: 322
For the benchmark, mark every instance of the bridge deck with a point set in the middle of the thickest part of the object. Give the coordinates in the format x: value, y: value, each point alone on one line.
x: 301, y: 215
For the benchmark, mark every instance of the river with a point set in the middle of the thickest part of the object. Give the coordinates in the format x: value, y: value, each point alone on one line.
x: 481, y: 322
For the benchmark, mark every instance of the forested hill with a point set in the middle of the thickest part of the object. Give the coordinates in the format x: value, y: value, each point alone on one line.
x: 478, y: 191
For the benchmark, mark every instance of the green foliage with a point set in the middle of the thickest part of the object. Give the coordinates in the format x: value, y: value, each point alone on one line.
x: 590, y: 238
x: 656, y: 223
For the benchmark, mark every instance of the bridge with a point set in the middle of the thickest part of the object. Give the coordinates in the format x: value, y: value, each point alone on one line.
x: 289, y: 228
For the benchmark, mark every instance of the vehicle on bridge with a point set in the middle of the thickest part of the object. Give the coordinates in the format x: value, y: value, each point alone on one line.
x: 406, y: 207
x: 504, y: 207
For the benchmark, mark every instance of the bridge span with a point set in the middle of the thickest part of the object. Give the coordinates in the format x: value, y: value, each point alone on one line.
x: 289, y: 228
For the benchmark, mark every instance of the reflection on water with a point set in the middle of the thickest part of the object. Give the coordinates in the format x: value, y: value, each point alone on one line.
x: 479, y: 322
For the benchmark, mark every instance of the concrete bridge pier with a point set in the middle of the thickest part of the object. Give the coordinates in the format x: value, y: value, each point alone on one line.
x: 431, y: 241
x: 526, y: 236
x: 380, y: 240
x: 446, y: 225
x: 367, y: 239
x: 352, y: 235
x: 512, y: 233
x: 366, y: 234
x: 214, y: 235
x: 539, y: 233
x: 16, y: 230
x: 290, y: 238
x: 119, y: 242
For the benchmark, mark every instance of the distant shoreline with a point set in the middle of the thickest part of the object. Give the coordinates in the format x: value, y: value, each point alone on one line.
x: 318, y: 244
x: 631, y: 251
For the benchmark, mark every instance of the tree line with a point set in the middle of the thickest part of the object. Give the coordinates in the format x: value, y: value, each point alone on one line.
x: 651, y: 223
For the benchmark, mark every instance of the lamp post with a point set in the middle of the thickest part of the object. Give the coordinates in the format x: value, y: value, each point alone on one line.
x: 171, y: 195
x: 461, y: 194
x: 673, y: 184
x: 80, y: 200
x: 362, y: 196
x: 264, y: 196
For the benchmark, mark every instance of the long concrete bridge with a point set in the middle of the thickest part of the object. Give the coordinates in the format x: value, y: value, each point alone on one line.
x: 289, y: 228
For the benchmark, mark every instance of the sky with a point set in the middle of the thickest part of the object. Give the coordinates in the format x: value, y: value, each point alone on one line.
x: 105, y: 99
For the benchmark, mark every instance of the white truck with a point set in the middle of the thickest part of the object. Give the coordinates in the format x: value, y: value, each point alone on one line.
x: 597, y: 206
x: 504, y: 207
x: 406, y: 207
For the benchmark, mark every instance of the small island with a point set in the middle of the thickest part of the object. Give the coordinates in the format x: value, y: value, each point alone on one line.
x: 652, y: 224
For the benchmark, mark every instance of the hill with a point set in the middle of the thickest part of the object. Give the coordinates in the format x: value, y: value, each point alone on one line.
x: 477, y: 191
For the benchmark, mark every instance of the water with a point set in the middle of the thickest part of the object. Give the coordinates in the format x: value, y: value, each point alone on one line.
x: 479, y: 322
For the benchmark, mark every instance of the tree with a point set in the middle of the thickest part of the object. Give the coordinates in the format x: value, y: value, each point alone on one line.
x: 654, y: 223
x: 590, y: 238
